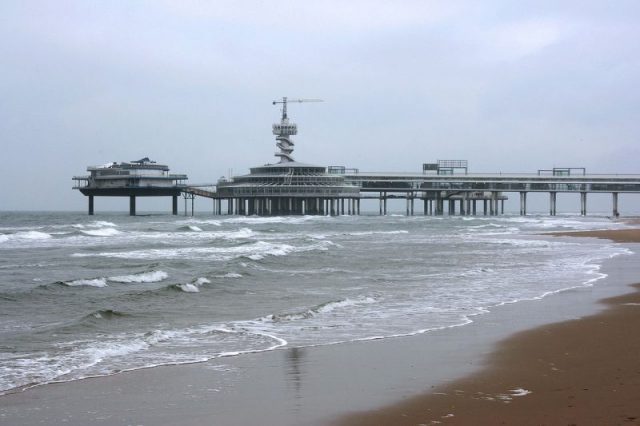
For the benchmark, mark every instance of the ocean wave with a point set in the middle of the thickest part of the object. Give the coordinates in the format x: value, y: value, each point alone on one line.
x: 231, y: 275
x: 94, y: 224
x: 103, y: 232
x: 359, y: 233
x: 26, y: 235
x: 194, y: 222
x: 105, y: 314
x: 92, y: 282
x: 193, y: 287
x: 258, y: 220
x: 323, y: 308
x: 144, y: 277
x: 73, y: 360
x: 193, y: 228
x: 254, y: 251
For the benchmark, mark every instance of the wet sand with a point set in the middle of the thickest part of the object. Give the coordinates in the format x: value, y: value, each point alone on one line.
x: 579, y: 372
x: 617, y: 235
x: 582, y: 372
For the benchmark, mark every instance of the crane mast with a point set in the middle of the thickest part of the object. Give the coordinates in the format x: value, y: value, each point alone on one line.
x: 284, y: 130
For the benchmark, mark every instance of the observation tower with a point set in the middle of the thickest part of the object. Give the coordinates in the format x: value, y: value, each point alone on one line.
x: 288, y: 187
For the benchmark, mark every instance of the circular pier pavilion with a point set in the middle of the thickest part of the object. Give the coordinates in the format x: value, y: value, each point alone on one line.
x: 289, y: 188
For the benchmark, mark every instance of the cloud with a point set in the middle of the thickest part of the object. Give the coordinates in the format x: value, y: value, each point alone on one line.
x: 515, y: 40
x: 330, y: 15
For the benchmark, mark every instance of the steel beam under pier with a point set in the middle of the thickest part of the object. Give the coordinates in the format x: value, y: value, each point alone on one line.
x: 132, y: 205
x: 90, y: 205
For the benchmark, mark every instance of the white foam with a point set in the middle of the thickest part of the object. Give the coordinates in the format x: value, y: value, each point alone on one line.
x: 195, y: 228
x: 193, y: 287
x: 95, y: 282
x: 520, y: 392
x: 189, y: 288
x: 331, y: 306
x: 145, y: 277
x: 255, y: 251
x: 101, y: 223
x: 30, y: 235
x: 232, y: 275
x: 202, y: 280
x: 400, y: 231
x: 103, y: 232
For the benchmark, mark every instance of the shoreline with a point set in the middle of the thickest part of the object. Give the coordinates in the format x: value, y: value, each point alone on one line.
x: 584, y: 371
x: 313, y: 385
x: 581, y: 371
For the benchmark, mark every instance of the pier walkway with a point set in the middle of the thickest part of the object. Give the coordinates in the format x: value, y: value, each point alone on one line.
x: 453, y: 193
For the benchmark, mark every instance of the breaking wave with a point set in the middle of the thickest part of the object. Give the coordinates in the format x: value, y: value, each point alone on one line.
x: 323, y: 308
x: 93, y: 282
x: 144, y: 277
x: 104, y: 232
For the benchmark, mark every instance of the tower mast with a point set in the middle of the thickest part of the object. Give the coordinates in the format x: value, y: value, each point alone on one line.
x: 284, y: 130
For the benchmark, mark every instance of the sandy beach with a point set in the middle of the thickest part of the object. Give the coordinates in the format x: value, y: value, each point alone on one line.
x: 579, y: 372
x: 492, y: 371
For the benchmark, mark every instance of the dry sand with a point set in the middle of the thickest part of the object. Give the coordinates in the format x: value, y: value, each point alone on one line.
x: 580, y: 372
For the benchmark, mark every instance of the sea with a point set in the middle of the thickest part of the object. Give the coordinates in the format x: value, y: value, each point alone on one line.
x: 84, y: 296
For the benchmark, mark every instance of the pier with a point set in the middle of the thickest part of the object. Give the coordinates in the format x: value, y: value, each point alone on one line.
x: 289, y: 187
x: 141, y: 178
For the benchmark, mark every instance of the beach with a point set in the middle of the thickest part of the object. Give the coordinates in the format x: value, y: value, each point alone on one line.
x: 452, y: 375
x: 579, y: 372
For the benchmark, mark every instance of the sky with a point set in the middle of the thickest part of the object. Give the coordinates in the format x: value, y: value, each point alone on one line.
x: 508, y: 86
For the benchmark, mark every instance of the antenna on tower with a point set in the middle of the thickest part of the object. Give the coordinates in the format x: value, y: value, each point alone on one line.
x: 284, y: 130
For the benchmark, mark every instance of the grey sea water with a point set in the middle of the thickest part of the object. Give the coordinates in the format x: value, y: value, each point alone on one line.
x: 84, y: 296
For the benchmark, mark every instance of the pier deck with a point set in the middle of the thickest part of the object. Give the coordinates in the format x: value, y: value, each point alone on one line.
x: 438, y: 191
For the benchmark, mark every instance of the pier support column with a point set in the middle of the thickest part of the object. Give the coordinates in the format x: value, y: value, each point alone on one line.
x: 385, y: 203
x: 303, y: 206
x: 493, y: 205
x: 523, y: 203
x: 132, y: 205
x: 614, y: 198
x: 583, y: 203
x: 452, y: 207
x: 484, y: 203
x: 474, y: 207
x: 407, y: 205
x: 91, y: 204
x: 552, y: 203
x: 358, y: 207
x: 501, y: 206
x: 412, y: 205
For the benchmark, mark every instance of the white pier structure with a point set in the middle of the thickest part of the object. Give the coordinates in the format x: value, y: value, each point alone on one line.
x: 468, y: 188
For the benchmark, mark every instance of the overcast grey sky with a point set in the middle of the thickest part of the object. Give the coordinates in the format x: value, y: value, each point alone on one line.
x: 508, y: 85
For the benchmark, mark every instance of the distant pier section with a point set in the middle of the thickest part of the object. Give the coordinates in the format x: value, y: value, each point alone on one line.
x: 141, y: 178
